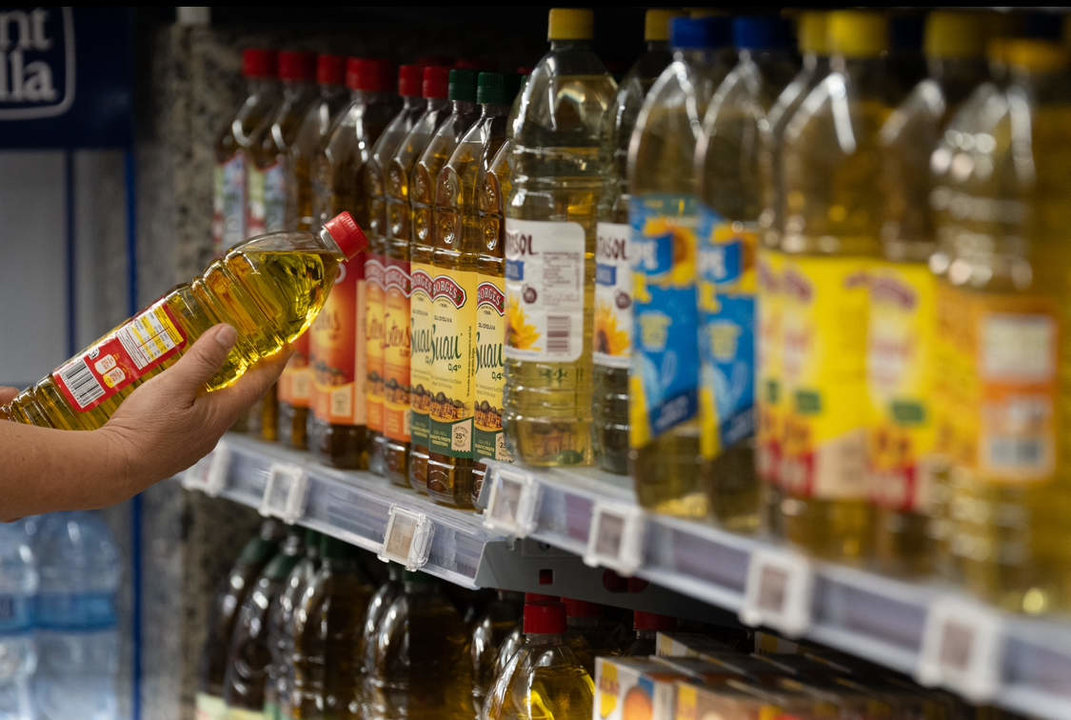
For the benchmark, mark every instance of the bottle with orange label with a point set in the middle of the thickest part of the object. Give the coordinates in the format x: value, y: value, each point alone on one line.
x: 830, y: 241
x: 410, y: 78
x: 338, y: 431
x: 295, y: 384
x: 437, y: 296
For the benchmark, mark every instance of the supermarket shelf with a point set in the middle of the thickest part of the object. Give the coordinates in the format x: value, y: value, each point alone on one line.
x: 935, y: 633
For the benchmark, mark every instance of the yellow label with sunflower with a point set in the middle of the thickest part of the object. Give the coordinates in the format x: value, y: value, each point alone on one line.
x: 613, y: 296
x: 769, y: 392
x: 824, y: 345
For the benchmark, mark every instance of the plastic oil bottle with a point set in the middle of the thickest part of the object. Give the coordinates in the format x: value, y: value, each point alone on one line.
x: 664, y: 380
x: 812, y: 37
x: 434, y: 293
x: 562, y: 181
x: 455, y: 259
x: 500, y: 618
x: 901, y: 361
x: 421, y: 668
x: 269, y: 289
x: 832, y: 164
x: 613, y: 271
x: 295, y: 384
x: 337, y: 345
x: 410, y: 79
x: 397, y: 351
x: 280, y: 634
x: 381, y: 601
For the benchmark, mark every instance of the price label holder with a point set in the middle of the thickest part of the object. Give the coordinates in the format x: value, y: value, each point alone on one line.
x: 513, y: 503
x: 779, y: 591
x: 962, y: 648
x: 210, y: 475
x: 285, y: 493
x: 407, y: 540
x: 616, y: 537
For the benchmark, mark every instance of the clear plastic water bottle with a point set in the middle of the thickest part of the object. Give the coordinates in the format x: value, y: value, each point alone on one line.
x: 18, y: 656
x: 78, y: 640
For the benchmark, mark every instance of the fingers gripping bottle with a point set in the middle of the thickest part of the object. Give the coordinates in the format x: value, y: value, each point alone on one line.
x: 664, y: 216
x: 295, y: 384
x: 730, y: 190
x: 270, y: 289
x: 562, y: 178
x: 613, y: 272
x: 832, y: 162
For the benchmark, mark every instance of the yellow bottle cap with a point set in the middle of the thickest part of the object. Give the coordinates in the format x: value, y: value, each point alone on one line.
x: 951, y: 35
x: 858, y: 33
x: 571, y: 24
x: 1035, y: 56
x: 656, y: 24
x: 813, y: 32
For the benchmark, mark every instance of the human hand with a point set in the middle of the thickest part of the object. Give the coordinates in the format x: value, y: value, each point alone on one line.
x: 7, y: 394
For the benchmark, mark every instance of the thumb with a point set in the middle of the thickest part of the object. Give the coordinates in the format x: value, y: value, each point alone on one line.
x: 7, y: 394
x: 201, y: 361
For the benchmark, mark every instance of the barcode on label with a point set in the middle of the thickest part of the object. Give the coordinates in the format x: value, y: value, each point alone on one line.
x: 1009, y: 453
x: 81, y: 383
x: 559, y: 333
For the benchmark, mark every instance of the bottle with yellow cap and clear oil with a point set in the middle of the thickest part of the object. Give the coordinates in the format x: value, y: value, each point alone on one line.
x: 903, y: 372
x: 832, y: 164
x: 562, y: 181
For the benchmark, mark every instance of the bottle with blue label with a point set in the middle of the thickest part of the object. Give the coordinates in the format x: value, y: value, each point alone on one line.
x: 664, y: 214
x: 18, y: 585
x: 730, y: 190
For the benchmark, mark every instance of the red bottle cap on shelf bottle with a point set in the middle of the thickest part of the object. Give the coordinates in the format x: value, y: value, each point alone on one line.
x: 651, y: 621
x: 410, y: 79
x: 581, y: 609
x: 544, y: 618
x: 347, y: 234
x: 295, y: 66
x: 356, y: 72
x: 330, y: 69
x: 369, y: 75
x: 436, y: 82
x: 259, y: 63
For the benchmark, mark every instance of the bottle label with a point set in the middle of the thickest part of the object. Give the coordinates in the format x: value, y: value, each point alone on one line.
x: 295, y: 384
x: 824, y: 342
x: 613, y: 296
x: 454, y: 314
x: 209, y: 707
x: 254, y: 213
x: 139, y: 346
x: 337, y: 350
x: 664, y: 380
x: 544, y: 290
x: 68, y: 611
x: 948, y: 390
x: 373, y: 278
x: 218, y: 185
x: 16, y: 614
x: 420, y: 314
x: 275, y: 198
x: 488, y: 438
x: 232, y: 193
x: 728, y: 282
x: 901, y: 365
x: 397, y: 344
x: 769, y: 391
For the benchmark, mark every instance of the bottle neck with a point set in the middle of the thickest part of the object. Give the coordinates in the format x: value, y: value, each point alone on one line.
x: 493, y: 110
x: 261, y: 85
x: 411, y: 104
x: 293, y: 89
x: 462, y: 107
x: 697, y: 57
x: 543, y: 639
x: 815, y: 63
x: 437, y: 103
x: 658, y: 46
x: 566, y: 45
x: 328, y: 92
x: 578, y: 623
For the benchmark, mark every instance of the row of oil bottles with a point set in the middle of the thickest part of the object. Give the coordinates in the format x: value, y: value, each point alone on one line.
x: 300, y: 630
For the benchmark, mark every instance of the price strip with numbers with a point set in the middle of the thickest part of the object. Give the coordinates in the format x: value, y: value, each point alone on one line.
x: 616, y: 537
x: 407, y: 540
x: 286, y: 493
x: 962, y: 648
x: 780, y: 591
x: 513, y: 502
x: 210, y: 474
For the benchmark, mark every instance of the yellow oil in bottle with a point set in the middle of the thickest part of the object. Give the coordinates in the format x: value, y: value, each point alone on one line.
x: 832, y: 163
x: 903, y: 362
x: 562, y: 178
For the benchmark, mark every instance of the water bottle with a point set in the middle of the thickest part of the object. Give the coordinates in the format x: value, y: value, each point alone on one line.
x: 18, y: 656
x: 76, y: 616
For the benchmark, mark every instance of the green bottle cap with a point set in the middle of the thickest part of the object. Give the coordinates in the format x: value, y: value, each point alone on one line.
x: 492, y: 89
x: 463, y: 85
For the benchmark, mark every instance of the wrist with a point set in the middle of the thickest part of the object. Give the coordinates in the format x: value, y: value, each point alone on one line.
x: 122, y: 463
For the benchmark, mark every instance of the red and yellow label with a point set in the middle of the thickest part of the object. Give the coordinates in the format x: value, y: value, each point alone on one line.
x: 769, y: 388
x: 397, y: 343
x: 373, y: 278
x: 295, y: 384
x: 337, y: 350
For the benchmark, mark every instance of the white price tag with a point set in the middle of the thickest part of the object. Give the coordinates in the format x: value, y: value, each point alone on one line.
x: 286, y: 493
x: 210, y: 474
x: 616, y: 537
x: 962, y: 647
x: 780, y: 590
x: 408, y: 538
x: 513, y: 502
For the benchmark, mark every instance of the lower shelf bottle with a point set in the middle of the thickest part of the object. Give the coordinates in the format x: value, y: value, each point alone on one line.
x: 501, y: 617
x: 280, y: 629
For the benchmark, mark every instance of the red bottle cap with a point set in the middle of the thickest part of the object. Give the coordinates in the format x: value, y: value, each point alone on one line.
x: 295, y: 66
x: 347, y: 234
x: 581, y: 609
x: 410, y: 78
x: 436, y: 82
x: 330, y: 69
x: 369, y: 75
x: 544, y: 619
x: 259, y: 63
x: 651, y: 621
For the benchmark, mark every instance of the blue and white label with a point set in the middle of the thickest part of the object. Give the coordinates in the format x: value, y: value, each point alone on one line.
x: 16, y: 614
x: 85, y: 611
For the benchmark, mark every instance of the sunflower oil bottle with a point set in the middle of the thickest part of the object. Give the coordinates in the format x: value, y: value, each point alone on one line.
x: 500, y: 618
x: 613, y: 271
x: 561, y: 182
x: 455, y: 259
x: 280, y: 633
x: 295, y: 384
x: 338, y: 433
x: 421, y: 668
x: 902, y: 360
x: 410, y: 79
x: 436, y: 299
x: 646, y: 626
x: 812, y: 37
x: 731, y: 201
x: 664, y: 212
x: 269, y: 289
x: 832, y: 164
